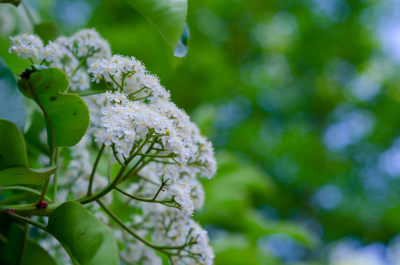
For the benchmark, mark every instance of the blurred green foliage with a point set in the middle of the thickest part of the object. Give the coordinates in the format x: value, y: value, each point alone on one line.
x: 301, y: 100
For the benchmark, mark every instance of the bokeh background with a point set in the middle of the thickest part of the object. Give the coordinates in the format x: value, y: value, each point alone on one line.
x: 301, y: 99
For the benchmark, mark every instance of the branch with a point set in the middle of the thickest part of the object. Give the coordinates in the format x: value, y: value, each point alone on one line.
x: 55, y: 180
x: 116, y: 155
x: 27, y: 220
x: 127, y: 229
x: 99, y: 154
x: 164, y: 202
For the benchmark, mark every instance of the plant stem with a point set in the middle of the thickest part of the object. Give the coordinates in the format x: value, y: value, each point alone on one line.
x: 115, y: 82
x: 116, y: 155
x: 89, y: 192
x: 88, y: 93
x: 46, y: 184
x: 30, y: 209
x: 143, y: 199
x: 163, y: 183
x: 133, y: 170
x: 109, y: 165
x: 137, y: 91
x: 127, y: 229
x: 44, y: 191
x: 158, y: 156
x: 23, y: 188
x: 123, y: 82
x: 27, y: 220
x: 88, y: 199
x: 55, y: 180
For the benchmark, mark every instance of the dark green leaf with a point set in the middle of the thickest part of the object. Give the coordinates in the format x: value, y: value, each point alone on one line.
x: 47, y: 31
x: 168, y: 16
x: 12, y: 106
x: 67, y: 116
x: 14, y: 166
x: 87, y: 240
x: 35, y: 254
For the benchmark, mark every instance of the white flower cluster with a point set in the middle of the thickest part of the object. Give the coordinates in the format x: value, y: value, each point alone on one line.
x: 182, y: 231
x: 128, y: 75
x: 26, y: 46
x: 143, y: 133
x: 137, y: 118
x: 169, y: 228
x: 125, y: 122
x: 71, y: 54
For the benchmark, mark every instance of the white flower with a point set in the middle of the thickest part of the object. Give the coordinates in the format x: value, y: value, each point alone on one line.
x: 26, y: 46
x: 80, y: 81
x: 54, y: 52
x: 180, y: 191
x: 88, y: 42
x: 114, y: 69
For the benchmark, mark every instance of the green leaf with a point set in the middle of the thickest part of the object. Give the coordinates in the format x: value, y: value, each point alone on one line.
x: 12, y: 106
x: 24, y: 175
x: 35, y: 254
x: 47, y: 31
x: 14, y: 166
x: 168, y: 16
x: 67, y: 116
x: 87, y: 240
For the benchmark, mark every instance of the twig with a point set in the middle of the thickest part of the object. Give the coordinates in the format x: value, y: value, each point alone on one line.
x: 89, y: 191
